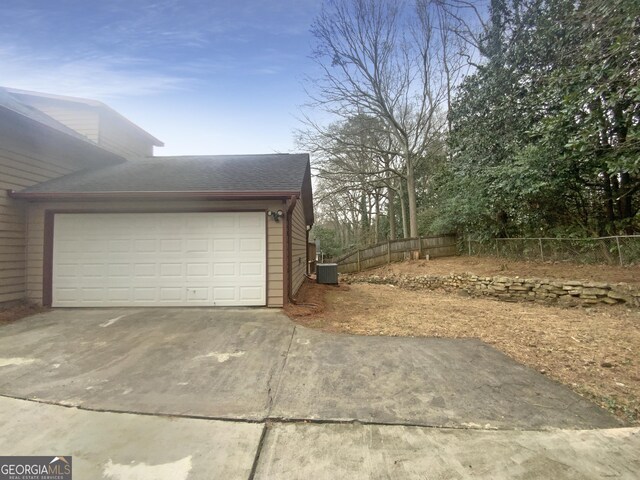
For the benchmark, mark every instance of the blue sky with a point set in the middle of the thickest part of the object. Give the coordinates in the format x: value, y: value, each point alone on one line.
x: 206, y: 77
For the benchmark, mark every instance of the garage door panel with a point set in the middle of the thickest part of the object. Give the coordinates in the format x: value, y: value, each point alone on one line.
x: 196, y: 226
x: 145, y: 270
x: 69, y: 246
x: 94, y: 245
x: 250, y: 293
x: 118, y: 294
x: 224, y: 245
x: 114, y: 246
x: 145, y: 246
x: 159, y: 259
x: 224, y: 223
x: 201, y: 293
x: 198, y: 270
x: 251, y: 269
x: 119, y: 270
x: 171, y: 245
x: 171, y: 270
x: 171, y: 294
x: 224, y: 293
x: 145, y: 294
x: 251, y: 245
x: 225, y: 269
x: 93, y: 270
x: 67, y: 270
x: 93, y: 294
x: 199, y: 245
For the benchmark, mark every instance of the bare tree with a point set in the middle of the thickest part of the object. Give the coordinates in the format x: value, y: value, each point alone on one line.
x: 467, y: 20
x: 379, y: 58
x: 354, y: 155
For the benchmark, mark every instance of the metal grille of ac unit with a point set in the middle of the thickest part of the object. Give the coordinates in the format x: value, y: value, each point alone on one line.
x: 327, y: 273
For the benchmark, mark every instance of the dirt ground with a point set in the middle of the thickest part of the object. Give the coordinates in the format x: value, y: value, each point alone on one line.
x: 594, y: 351
x: 18, y: 311
x: 491, y: 266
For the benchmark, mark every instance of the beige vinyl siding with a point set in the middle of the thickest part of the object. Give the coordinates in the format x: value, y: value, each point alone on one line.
x: 275, y: 262
x: 35, y: 235
x: 81, y: 118
x: 123, y: 141
x: 298, y: 247
x: 22, y: 164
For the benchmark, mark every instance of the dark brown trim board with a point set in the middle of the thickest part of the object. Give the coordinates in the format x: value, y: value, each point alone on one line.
x: 290, y: 205
x: 159, y: 209
x: 249, y: 195
x: 285, y: 259
x: 266, y: 257
x: 47, y: 259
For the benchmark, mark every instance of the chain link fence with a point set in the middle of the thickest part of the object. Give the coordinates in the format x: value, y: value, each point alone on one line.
x: 618, y: 250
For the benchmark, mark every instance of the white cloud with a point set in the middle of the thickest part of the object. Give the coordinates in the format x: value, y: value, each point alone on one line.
x: 98, y: 76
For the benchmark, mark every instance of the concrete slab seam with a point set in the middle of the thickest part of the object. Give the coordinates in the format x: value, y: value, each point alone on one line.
x: 256, y: 458
x: 312, y: 421
x: 134, y: 412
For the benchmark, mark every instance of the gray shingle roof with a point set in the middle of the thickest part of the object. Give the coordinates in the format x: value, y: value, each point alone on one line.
x: 219, y: 173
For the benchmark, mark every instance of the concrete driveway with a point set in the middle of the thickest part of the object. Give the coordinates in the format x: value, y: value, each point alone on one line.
x: 246, y: 393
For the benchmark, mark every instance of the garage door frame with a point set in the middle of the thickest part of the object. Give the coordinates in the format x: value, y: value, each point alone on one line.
x: 49, y: 225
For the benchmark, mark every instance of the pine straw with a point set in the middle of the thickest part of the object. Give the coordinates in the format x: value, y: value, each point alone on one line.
x: 492, y: 266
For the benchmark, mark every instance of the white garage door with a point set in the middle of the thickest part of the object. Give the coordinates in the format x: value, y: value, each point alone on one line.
x: 166, y: 259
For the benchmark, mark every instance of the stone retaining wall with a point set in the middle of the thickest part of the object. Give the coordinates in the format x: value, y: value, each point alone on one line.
x: 569, y: 292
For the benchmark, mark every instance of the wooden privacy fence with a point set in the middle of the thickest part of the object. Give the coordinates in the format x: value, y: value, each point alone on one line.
x: 396, y: 251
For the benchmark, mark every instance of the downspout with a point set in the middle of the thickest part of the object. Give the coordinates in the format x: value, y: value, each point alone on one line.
x: 306, y: 251
x: 290, y: 205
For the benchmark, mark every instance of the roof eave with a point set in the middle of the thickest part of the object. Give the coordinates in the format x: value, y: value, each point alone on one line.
x: 204, y: 195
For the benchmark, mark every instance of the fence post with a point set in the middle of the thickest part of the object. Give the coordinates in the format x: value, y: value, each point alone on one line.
x: 389, y: 251
x: 619, y: 250
x: 359, y: 261
x: 419, y: 247
x: 541, y: 251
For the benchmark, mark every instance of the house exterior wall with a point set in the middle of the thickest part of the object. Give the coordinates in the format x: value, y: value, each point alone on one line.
x: 298, y: 247
x: 24, y: 161
x: 36, y: 234
x: 99, y: 126
x: 82, y: 118
x: 116, y: 138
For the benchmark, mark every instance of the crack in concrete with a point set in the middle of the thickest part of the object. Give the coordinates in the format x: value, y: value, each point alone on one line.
x: 271, y: 397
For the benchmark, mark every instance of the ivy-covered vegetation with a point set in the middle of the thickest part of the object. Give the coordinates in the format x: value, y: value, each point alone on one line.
x: 533, y: 111
x: 545, y: 135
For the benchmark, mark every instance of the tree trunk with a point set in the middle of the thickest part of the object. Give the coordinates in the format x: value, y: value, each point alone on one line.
x: 377, y: 220
x: 608, y: 198
x: 625, y: 204
x: 392, y: 213
x: 411, y: 195
x: 403, y: 209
